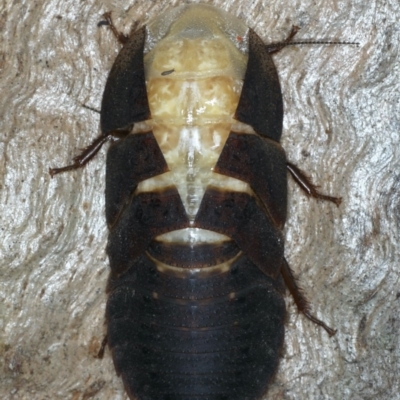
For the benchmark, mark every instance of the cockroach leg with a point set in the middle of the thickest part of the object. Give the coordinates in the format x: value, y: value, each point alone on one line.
x: 278, y: 46
x: 307, y: 186
x: 121, y: 37
x: 302, y: 303
x: 82, y: 159
x: 102, y: 349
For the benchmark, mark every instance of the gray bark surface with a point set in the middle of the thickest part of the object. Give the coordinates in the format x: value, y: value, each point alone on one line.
x: 341, y: 125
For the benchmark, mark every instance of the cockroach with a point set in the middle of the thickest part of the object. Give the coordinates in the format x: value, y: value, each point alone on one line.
x: 196, y: 199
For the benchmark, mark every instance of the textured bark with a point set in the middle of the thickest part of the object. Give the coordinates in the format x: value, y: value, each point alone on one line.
x: 341, y: 124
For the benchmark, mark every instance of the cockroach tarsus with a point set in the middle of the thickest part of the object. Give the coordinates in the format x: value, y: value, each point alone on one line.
x: 196, y: 271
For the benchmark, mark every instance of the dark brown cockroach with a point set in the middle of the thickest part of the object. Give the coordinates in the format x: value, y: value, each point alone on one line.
x: 196, y: 198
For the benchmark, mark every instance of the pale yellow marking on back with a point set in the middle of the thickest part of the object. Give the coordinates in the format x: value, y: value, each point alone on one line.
x: 240, y: 127
x: 193, y: 101
x: 193, y: 106
x: 192, y: 237
x: 192, y: 190
x: 186, y: 273
x: 191, y: 153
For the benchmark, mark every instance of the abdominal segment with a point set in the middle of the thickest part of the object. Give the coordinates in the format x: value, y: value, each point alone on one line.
x: 203, y: 335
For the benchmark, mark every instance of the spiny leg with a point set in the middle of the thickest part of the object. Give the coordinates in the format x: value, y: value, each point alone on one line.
x: 299, y: 298
x: 121, y: 37
x: 90, y: 151
x: 82, y: 159
x: 307, y: 186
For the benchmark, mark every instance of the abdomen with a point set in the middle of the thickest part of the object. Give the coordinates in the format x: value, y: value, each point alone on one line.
x: 200, y: 336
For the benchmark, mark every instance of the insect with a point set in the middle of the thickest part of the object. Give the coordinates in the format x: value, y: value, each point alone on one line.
x: 196, y: 198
